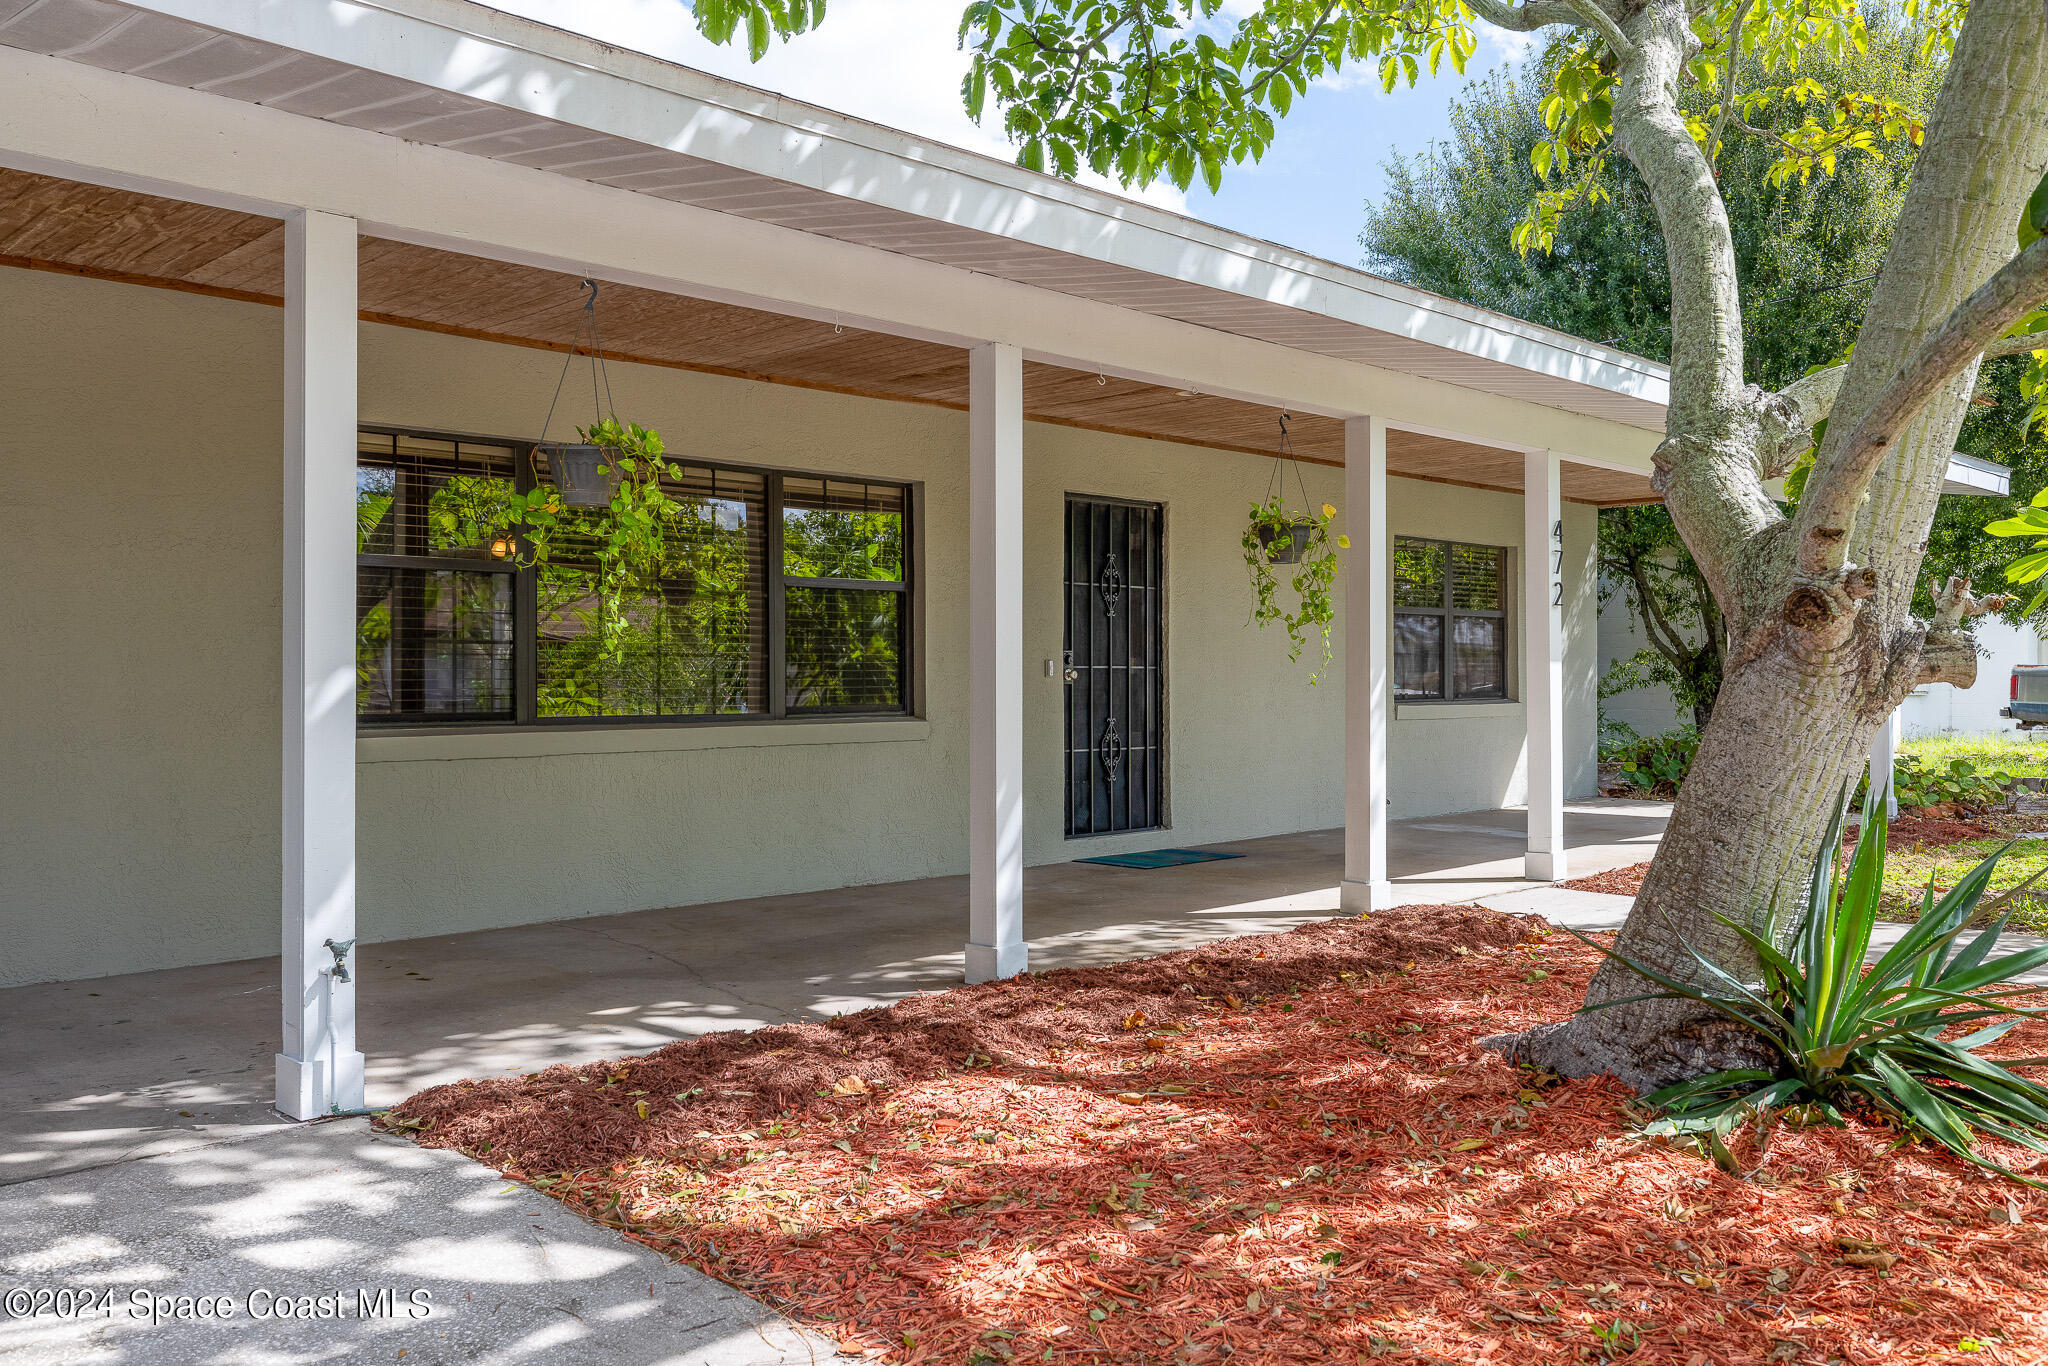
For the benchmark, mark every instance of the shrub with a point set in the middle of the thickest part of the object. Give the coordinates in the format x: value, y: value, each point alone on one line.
x: 1652, y: 763
x: 1957, y: 781
x: 1848, y: 1039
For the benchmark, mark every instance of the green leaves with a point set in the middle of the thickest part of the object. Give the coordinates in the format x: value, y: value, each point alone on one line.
x: 720, y: 20
x: 2034, y: 220
x: 1303, y: 539
x: 2030, y: 521
x: 1175, y: 89
x: 1844, y: 1034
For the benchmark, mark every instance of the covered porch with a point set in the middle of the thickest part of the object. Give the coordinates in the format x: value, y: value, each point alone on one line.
x: 236, y: 254
x: 115, y: 1068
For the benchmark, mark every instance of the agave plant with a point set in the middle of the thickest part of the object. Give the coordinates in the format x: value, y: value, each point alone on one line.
x: 1878, y: 1040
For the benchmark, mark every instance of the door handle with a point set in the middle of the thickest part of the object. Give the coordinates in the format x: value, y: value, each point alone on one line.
x: 1072, y: 675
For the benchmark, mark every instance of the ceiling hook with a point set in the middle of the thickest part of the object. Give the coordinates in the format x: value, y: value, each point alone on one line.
x: 590, y: 304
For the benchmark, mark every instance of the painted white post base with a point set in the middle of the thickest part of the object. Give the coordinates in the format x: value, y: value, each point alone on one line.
x: 312, y: 1087
x: 1357, y: 898
x: 987, y: 962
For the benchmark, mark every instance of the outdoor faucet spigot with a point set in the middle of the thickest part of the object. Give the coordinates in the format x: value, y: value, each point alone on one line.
x: 340, y: 952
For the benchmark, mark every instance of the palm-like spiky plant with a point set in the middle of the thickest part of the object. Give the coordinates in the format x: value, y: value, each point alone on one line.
x: 1880, y: 1039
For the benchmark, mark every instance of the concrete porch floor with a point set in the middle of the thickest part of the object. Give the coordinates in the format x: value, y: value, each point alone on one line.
x: 115, y: 1068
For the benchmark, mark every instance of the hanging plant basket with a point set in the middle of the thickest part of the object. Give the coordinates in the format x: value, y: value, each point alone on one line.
x: 586, y: 476
x: 1275, y: 535
x: 1286, y: 545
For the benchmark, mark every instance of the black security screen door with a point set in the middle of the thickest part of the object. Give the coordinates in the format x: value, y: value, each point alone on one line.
x: 1115, y: 676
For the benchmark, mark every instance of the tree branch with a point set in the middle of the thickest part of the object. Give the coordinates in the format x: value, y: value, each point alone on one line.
x: 1796, y: 408
x: 1948, y: 653
x: 1728, y: 86
x: 1669, y: 642
x: 1603, y: 22
x: 2013, y: 346
x: 1791, y: 414
x: 1527, y: 16
x: 1280, y: 64
x: 1837, y: 488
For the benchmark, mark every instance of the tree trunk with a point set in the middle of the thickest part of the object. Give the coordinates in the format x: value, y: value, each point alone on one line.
x: 1815, y: 661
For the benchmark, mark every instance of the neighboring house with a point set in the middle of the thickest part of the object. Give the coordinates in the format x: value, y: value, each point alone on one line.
x: 1944, y: 708
x: 1936, y: 707
x: 283, y: 280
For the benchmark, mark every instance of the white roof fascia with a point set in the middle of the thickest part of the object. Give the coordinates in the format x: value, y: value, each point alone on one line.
x: 1969, y: 475
x: 479, y: 53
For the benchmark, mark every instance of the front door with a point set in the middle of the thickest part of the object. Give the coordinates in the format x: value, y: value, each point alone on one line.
x: 1115, y: 666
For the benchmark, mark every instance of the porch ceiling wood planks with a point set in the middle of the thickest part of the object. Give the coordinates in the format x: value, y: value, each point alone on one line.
x: 53, y: 224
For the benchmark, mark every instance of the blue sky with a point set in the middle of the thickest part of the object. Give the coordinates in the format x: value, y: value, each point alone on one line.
x: 1309, y: 193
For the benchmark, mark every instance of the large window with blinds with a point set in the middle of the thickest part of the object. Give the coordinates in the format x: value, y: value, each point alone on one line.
x: 780, y: 595
x: 1450, y: 621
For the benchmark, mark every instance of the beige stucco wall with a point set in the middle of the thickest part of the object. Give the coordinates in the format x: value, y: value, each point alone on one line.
x: 139, y: 437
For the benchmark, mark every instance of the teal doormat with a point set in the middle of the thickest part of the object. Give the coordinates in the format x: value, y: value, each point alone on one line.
x: 1158, y: 858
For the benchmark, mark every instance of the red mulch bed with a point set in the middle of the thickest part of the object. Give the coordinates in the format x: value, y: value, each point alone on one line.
x: 1908, y: 832
x: 1615, y: 881
x: 1284, y: 1148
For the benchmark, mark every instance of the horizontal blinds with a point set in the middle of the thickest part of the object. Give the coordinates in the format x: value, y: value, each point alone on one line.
x: 844, y: 566
x: 452, y: 625
x: 692, y: 641
x: 1418, y: 573
x: 1450, y: 634
x: 423, y: 497
x: 1476, y: 578
x: 434, y: 643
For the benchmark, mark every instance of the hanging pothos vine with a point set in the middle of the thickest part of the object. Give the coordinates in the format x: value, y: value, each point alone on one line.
x: 629, y: 542
x: 1303, y: 539
x: 625, y: 543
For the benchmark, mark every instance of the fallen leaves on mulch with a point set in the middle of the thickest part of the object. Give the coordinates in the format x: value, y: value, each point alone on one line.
x: 1614, y: 882
x: 1906, y: 832
x: 1910, y: 832
x: 1284, y: 1148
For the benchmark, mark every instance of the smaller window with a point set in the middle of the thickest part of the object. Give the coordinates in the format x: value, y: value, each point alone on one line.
x: 845, y: 590
x: 1450, y: 621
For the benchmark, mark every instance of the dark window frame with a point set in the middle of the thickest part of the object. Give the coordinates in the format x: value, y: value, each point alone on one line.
x: 773, y: 583
x: 1446, y: 614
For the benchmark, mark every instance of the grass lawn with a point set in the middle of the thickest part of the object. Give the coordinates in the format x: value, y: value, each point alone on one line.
x: 1908, y: 867
x: 2013, y: 752
x: 1282, y: 1148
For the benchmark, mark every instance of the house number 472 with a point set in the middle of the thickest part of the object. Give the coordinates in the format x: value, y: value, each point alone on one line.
x: 1557, y: 563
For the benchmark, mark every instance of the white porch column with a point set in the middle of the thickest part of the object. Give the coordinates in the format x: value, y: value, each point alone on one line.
x: 1543, y: 662
x: 1884, y: 756
x: 319, y: 1070
x: 1368, y: 634
x: 995, y: 770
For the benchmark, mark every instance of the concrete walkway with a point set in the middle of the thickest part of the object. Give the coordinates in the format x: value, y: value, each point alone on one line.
x: 138, y: 1154
x: 478, y: 1272
x: 115, y: 1068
